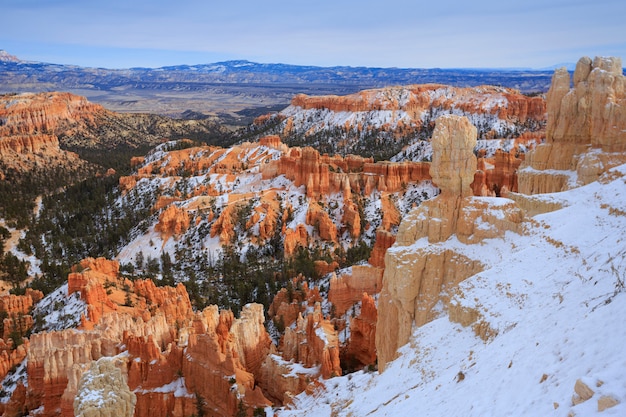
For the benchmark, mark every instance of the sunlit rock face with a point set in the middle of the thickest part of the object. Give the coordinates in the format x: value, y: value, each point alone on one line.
x: 586, y: 130
x: 419, y: 272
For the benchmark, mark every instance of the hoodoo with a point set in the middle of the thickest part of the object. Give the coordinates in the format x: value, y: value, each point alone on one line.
x: 419, y: 271
x: 586, y: 131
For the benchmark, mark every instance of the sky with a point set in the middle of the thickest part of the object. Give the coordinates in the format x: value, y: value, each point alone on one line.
x: 389, y: 33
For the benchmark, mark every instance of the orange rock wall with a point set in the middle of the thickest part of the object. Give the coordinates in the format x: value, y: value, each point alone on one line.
x: 29, y: 114
x: 362, y: 343
x: 314, y: 342
x: 347, y: 289
x: 583, y: 119
x: 323, y: 175
x: 498, y: 180
x: 507, y: 104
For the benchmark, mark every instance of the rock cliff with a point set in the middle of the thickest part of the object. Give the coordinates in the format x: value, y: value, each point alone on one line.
x: 78, y: 122
x: 323, y: 175
x: 585, y: 134
x: 419, y: 272
x: 384, y: 122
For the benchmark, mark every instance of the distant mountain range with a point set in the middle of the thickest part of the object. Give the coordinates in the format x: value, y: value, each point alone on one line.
x: 232, y: 86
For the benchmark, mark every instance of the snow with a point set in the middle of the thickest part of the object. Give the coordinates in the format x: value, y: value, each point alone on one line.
x: 555, y: 296
x: 177, y: 387
x: 11, y: 380
x: 58, y: 311
x: 295, y: 368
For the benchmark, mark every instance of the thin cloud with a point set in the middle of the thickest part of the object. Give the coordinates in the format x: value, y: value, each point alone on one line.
x: 446, y: 33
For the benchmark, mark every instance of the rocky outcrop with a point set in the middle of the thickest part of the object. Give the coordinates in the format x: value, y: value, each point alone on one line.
x: 582, y: 121
x: 173, y: 221
x: 295, y: 238
x: 507, y: 104
x: 29, y: 114
x: 384, y: 240
x: 90, y: 282
x: 361, y: 347
x: 323, y: 175
x: 347, y: 288
x: 289, y: 302
x: 287, y: 379
x: 16, y: 310
x: 10, y: 356
x: 313, y: 342
x: 29, y: 125
x: 395, y: 114
x: 212, y: 367
x: 321, y: 221
x: 168, y: 351
x: 78, y: 122
x: 251, y: 192
x: 496, y: 176
x: 418, y: 276
x: 103, y: 392
x: 252, y: 343
x: 24, y: 144
x: 57, y: 360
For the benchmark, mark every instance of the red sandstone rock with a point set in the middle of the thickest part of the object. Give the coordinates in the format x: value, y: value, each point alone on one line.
x: 323, y: 175
x: 362, y: 343
x: 294, y: 239
x: 384, y: 240
x: 313, y: 342
x: 318, y: 218
x: 347, y: 289
x: 287, y: 305
x: 26, y: 114
x: 506, y: 103
x: 499, y: 178
x: 173, y: 221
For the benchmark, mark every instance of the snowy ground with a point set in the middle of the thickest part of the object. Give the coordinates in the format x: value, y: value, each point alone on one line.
x: 556, y: 297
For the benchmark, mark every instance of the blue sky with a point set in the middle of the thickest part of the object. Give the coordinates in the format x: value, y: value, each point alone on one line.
x: 389, y: 33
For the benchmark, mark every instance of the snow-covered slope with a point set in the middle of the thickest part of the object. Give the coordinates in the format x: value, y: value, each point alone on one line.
x: 383, y: 122
x: 555, y: 296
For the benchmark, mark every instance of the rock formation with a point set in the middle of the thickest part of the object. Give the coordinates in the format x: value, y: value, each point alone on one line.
x: 313, y: 342
x: 212, y: 366
x: 32, y: 127
x: 290, y: 302
x: 582, y: 121
x: 347, y: 288
x: 497, y: 176
x: 165, y: 352
x: 103, y: 392
x: 506, y: 104
x: 251, y: 192
x: 17, y: 309
x: 361, y: 347
x: 395, y: 114
x: 384, y: 240
x: 173, y: 221
x: 421, y: 272
x: 287, y: 379
x: 28, y: 114
x: 323, y: 174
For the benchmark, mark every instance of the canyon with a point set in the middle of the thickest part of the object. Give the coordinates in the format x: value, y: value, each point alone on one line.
x: 37, y: 129
x: 475, y: 268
